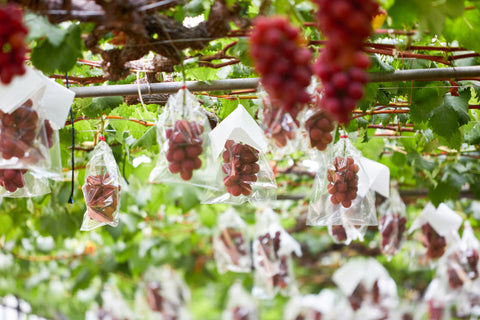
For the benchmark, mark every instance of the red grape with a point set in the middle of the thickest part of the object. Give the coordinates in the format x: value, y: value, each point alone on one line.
x: 279, y: 125
x: 342, y: 64
x: 392, y: 227
x: 283, y: 64
x: 185, y: 147
x: 101, y: 195
x: 12, y: 42
x: 241, y: 167
x: 343, y: 180
x: 319, y: 127
x: 12, y: 179
x: 434, y: 242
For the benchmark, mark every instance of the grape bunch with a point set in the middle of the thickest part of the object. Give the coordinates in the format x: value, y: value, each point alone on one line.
x: 319, y: 127
x: 234, y: 243
x: 18, y: 131
x: 184, y: 148
x: 240, y: 166
x: 342, y: 63
x: 434, y: 242
x: 12, y: 42
x: 12, y: 179
x: 358, y: 296
x: 462, y: 266
x: 392, y: 228
x: 268, y: 257
x: 101, y: 194
x: 339, y: 233
x: 283, y: 64
x: 343, y: 180
x: 279, y: 125
x: 435, y: 310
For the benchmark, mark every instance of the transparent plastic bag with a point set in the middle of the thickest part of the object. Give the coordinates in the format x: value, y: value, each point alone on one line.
x: 280, y: 128
x: 23, y: 138
x: 101, y: 189
x: 166, y: 293
x: 272, y: 252
x: 182, y: 134
x: 341, y: 189
x: 326, y: 305
x: 231, y: 243
x: 436, y: 298
x: 240, y: 305
x: 114, y: 305
x: 392, y: 224
x: 243, y: 173
x: 347, y: 233
x: 439, y: 226
x: 459, y: 265
x: 366, y: 283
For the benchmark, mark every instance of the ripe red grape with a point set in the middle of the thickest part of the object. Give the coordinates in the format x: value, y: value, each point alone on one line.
x: 18, y: 131
x: 462, y: 265
x: 319, y: 127
x: 241, y: 168
x: 283, y: 64
x: 343, y: 180
x: 434, y: 242
x: 342, y: 64
x: 233, y: 243
x: 101, y: 195
x: 12, y: 179
x: 184, y: 148
x: 268, y: 256
x: 392, y: 228
x: 12, y: 42
x: 279, y: 125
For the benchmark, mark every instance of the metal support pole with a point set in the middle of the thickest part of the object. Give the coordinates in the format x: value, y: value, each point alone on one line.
x: 252, y: 83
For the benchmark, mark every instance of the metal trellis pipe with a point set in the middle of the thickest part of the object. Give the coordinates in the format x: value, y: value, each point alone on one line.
x: 252, y: 83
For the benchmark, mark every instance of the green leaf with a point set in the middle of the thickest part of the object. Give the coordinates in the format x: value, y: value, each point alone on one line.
x: 147, y: 140
x: 423, y: 102
x: 49, y: 58
x: 40, y: 28
x: 102, y: 105
x: 465, y: 29
x: 442, y: 192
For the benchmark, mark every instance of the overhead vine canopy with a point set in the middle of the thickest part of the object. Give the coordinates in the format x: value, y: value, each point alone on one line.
x: 426, y: 132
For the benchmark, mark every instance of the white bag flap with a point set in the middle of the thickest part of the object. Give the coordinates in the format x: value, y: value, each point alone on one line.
x: 239, y: 126
x: 378, y: 175
x: 56, y: 101
x: 20, y: 90
x: 443, y: 220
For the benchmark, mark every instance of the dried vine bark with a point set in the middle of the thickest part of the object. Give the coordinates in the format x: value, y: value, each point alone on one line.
x: 140, y: 27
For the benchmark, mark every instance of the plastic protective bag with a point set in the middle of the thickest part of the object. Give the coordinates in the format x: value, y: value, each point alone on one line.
x: 392, y: 223
x: 22, y: 183
x: 231, y: 243
x: 165, y: 293
x: 280, y: 128
x: 327, y: 305
x: 240, y: 305
x: 272, y: 252
x: 459, y: 265
x: 341, y: 190
x: 347, y: 232
x: 436, y: 298
x: 367, y: 285
x: 182, y: 134
x: 101, y: 189
x: 439, y: 226
x: 243, y: 172
x: 23, y: 137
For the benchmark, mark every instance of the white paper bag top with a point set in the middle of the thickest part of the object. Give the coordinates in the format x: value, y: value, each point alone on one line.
x: 240, y: 126
x: 378, y: 176
x: 443, y: 220
x: 348, y: 276
x: 56, y: 101
x: 20, y: 90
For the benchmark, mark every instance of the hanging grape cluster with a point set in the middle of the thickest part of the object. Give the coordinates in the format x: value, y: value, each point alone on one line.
x: 12, y: 179
x: 283, y: 64
x: 101, y: 194
x: 240, y: 166
x: 434, y: 242
x: 184, y: 148
x: 269, y: 255
x: 462, y: 266
x: 342, y: 64
x: 234, y: 243
x: 343, y: 180
x: 392, y: 228
x: 12, y: 42
x: 319, y: 127
x: 18, y: 131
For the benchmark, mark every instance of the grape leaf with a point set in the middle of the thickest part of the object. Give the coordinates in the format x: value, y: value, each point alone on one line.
x: 423, y: 102
x: 464, y: 29
x: 40, y: 28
